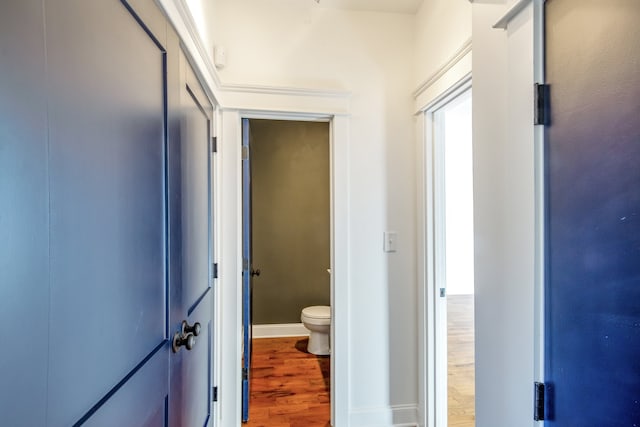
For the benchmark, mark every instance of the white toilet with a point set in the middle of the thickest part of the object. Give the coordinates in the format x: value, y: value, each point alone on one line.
x: 317, y: 319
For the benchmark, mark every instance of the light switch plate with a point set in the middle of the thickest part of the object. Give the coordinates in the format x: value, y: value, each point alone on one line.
x: 390, y: 241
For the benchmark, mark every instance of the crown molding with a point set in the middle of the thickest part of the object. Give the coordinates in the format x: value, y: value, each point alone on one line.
x: 225, y: 93
x: 283, y: 90
x: 448, y: 65
x: 190, y: 24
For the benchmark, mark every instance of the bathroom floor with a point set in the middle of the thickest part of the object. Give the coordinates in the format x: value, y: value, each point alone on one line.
x: 289, y: 387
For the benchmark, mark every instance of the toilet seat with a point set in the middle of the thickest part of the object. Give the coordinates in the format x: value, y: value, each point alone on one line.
x: 317, y: 314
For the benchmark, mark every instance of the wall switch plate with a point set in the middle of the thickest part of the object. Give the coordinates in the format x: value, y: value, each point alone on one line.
x: 390, y: 241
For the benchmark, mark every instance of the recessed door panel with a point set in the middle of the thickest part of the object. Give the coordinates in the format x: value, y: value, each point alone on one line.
x: 107, y: 201
x: 124, y: 407
x: 195, y: 199
x: 593, y: 255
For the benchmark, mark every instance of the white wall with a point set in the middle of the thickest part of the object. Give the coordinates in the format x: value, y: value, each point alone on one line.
x: 506, y: 197
x: 442, y: 28
x: 442, y: 60
x: 292, y: 43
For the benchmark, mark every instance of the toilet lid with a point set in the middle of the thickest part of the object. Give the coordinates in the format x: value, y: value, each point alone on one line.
x: 317, y: 312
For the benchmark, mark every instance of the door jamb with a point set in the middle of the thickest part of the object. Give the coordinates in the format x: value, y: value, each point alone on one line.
x: 339, y: 195
x: 431, y: 316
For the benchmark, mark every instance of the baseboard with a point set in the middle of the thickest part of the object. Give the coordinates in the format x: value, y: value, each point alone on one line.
x: 391, y: 416
x: 279, y: 330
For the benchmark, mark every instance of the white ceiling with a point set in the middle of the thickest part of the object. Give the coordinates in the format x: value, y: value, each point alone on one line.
x: 393, y: 6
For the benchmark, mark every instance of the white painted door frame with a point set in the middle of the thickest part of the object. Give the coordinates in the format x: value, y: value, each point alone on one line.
x: 230, y: 349
x: 434, y: 361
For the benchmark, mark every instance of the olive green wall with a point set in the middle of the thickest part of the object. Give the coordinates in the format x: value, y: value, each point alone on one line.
x: 291, y: 229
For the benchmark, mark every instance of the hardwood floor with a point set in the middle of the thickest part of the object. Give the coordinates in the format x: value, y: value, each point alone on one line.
x: 461, y: 361
x: 289, y: 387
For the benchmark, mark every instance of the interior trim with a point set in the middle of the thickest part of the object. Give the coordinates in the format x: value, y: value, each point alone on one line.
x: 513, y: 11
x: 189, y: 21
x: 279, y: 330
x: 449, y: 64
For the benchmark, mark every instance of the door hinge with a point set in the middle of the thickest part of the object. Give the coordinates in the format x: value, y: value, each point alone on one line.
x: 443, y: 292
x: 245, y: 374
x: 538, y: 401
x: 214, y: 270
x: 214, y: 394
x: 245, y: 152
x: 541, y: 107
x: 214, y: 144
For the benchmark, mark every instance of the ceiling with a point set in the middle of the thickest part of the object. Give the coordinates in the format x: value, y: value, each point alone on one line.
x: 393, y: 6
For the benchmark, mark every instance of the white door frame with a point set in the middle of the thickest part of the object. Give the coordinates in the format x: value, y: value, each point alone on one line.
x: 230, y: 350
x: 434, y: 348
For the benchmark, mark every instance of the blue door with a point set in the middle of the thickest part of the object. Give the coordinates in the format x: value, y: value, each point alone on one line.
x: 108, y: 325
x: 104, y: 221
x: 246, y: 268
x: 192, y: 302
x: 592, y: 349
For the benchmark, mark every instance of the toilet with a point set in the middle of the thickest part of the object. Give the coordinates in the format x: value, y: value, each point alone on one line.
x: 317, y: 319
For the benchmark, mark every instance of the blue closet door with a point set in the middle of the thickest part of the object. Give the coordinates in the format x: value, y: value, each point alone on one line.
x: 105, y: 220
x: 191, y: 302
x: 593, y: 198
x: 108, y: 330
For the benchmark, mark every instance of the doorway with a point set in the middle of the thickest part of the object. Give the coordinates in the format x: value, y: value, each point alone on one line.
x: 286, y: 267
x: 454, y: 263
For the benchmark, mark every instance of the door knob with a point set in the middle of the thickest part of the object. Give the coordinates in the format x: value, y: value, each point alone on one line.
x: 191, y: 329
x: 181, y: 340
x: 255, y: 272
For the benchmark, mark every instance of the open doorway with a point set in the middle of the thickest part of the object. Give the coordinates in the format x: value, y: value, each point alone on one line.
x: 286, y: 268
x: 454, y: 263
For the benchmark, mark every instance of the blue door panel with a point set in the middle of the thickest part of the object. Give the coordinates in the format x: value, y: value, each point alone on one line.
x: 24, y: 218
x: 593, y: 219
x: 195, y: 169
x: 190, y: 157
x: 124, y: 409
x: 107, y: 201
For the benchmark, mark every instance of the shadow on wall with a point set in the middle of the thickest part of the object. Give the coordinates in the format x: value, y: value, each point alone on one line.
x: 290, y: 218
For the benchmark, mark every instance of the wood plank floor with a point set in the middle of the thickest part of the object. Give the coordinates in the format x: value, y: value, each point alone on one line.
x: 461, y: 362
x: 289, y: 387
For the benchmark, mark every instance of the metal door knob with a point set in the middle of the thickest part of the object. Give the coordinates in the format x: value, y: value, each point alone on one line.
x: 180, y: 340
x: 255, y: 272
x: 191, y: 329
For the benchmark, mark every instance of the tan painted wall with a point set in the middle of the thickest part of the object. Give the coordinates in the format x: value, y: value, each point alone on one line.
x: 291, y: 229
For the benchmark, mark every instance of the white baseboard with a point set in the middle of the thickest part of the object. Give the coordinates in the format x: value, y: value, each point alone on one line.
x: 279, y: 330
x: 391, y: 416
